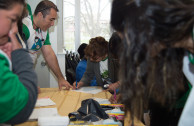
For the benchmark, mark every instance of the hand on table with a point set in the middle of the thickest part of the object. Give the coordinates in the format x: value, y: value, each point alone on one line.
x: 79, y: 84
x: 113, y: 86
x: 64, y: 83
x: 113, y: 100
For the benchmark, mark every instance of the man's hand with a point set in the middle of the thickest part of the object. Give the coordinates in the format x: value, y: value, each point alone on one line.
x: 64, y: 83
x: 53, y: 64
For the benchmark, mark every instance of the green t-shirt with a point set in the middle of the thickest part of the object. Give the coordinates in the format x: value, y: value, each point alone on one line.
x: 35, y: 38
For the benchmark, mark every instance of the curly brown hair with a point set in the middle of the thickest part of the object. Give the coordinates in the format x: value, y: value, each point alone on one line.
x: 98, y: 47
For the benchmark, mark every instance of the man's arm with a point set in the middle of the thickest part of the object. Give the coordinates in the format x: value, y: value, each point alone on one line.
x: 53, y: 64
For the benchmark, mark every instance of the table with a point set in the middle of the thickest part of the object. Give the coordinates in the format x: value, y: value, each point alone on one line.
x: 68, y: 101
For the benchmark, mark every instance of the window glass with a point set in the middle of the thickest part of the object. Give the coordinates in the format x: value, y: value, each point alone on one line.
x: 94, y: 21
x: 69, y: 23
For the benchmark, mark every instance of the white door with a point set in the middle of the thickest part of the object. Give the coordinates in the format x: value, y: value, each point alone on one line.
x: 42, y: 72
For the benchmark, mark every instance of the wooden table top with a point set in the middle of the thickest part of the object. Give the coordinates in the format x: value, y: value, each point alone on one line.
x: 68, y: 101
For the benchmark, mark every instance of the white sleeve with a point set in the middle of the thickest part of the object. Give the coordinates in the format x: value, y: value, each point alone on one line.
x: 188, y: 70
x: 187, y: 115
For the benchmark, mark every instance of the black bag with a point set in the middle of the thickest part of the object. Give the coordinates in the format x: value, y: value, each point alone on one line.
x: 90, y: 110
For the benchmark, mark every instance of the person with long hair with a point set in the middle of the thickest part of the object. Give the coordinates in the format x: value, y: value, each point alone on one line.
x: 157, y: 35
x: 18, y: 81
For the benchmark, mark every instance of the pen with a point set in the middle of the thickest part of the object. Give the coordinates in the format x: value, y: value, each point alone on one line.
x: 76, y: 84
x: 115, y: 95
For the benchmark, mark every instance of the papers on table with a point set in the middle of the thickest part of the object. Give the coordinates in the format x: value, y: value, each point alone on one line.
x: 102, y: 101
x: 109, y: 121
x: 43, y: 112
x: 44, y: 102
x: 90, y: 90
x: 48, y: 116
x: 53, y: 121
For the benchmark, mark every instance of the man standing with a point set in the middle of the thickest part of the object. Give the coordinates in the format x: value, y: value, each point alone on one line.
x: 35, y: 28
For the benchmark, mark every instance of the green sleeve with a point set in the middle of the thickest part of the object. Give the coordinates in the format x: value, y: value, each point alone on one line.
x: 29, y: 9
x: 47, y: 41
x: 26, y: 31
x: 14, y: 96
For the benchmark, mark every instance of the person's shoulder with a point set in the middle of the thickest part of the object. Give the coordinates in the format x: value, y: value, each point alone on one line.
x: 27, y: 20
x: 82, y: 63
x: 4, y: 60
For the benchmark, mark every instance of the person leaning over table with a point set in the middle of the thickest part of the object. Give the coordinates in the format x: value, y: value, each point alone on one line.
x: 99, y: 64
x: 114, y: 47
x: 35, y: 28
x: 18, y: 89
x: 96, y: 53
x: 81, y: 67
x: 156, y: 39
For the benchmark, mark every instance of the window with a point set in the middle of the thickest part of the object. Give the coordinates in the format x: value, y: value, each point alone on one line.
x: 85, y: 19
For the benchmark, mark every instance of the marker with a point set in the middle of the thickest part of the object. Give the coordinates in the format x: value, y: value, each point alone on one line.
x: 115, y: 95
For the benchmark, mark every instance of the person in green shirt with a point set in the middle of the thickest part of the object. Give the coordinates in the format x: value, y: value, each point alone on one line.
x: 35, y: 28
x: 18, y: 89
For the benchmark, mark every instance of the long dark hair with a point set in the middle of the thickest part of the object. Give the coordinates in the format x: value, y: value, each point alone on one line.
x: 144, y: 23
x: 7, y: 4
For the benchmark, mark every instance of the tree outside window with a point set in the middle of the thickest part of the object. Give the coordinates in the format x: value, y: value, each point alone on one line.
x: 93, y: 19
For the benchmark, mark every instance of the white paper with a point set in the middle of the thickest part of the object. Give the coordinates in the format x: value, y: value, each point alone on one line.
x: 43, y: 112
x: 102, y: 101
x: 90, y: 90
x: 44, y: 102
x: 53, y: 121
x: 109, y: 121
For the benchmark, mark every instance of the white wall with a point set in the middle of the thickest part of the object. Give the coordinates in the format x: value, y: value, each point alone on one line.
x: 56, y: 37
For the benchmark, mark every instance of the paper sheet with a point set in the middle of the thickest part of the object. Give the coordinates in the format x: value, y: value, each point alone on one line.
x: 53, y: 121
x: 102, y: 100
x: 43, y: 112
x: 90, y: 90
x: 44, y: 102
